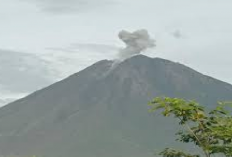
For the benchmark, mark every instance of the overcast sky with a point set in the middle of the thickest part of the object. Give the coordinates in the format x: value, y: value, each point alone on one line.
x: 76, y: 33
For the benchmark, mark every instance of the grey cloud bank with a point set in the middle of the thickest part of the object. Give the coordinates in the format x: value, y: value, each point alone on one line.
x: 21, y: 74
x: 69, y: 6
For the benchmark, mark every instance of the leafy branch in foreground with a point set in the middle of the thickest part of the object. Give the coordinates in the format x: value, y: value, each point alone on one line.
x: 210, y: 131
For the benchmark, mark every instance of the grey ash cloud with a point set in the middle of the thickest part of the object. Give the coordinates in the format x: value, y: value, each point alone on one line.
x: 136, y: 42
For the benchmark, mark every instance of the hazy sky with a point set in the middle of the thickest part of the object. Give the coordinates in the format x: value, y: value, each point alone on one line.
x: 75, y: 33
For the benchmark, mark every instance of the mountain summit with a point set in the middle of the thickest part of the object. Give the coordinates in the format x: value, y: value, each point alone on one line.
x: 102, y: 111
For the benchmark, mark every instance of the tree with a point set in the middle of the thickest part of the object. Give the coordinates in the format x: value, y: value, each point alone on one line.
x: 210, y: 131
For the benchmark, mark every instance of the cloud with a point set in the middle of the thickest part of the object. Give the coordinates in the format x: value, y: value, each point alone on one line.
x: 75, y: 57
x: 69, y: 6
x: 177, y: 34
x: 21, y: 72
x: 86, y: 47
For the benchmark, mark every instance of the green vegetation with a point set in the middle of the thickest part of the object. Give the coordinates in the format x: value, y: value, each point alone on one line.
x: 210, y: 131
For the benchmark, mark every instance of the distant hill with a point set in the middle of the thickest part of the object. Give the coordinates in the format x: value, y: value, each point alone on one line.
x: 102, y: 111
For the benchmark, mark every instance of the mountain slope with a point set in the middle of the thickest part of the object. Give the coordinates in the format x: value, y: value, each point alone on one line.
x: 102, y: 111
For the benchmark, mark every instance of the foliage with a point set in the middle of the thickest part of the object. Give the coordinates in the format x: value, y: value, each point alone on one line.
x: 210, y: 131
x: 168, y: 152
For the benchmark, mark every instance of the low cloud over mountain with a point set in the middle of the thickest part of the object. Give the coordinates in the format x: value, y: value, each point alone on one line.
x: 21, y: 73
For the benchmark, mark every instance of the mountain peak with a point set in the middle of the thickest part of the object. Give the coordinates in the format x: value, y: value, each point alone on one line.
x: 101, y: 111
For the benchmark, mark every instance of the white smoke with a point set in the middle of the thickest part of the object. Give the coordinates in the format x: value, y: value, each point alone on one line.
x: 136, y: 42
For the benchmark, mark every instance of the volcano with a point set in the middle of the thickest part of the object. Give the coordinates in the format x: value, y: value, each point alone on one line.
x: 102, y: 111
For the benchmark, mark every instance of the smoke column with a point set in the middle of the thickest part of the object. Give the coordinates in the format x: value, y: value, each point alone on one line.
x: 136, y: 42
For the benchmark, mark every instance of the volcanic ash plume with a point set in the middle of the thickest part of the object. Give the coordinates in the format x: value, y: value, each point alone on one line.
x: 136, y: 42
